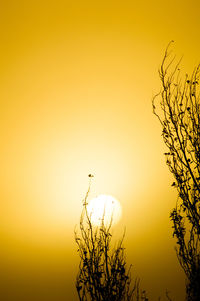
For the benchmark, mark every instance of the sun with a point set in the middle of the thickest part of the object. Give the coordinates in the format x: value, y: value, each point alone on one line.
x: 104, y: 206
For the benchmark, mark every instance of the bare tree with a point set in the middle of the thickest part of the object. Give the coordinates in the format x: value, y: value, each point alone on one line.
x: 179, y: 114
x: 103, y: 271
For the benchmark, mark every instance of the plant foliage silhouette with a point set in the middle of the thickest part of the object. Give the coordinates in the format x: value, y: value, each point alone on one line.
x: 179, y: 114
x: 103, y: 272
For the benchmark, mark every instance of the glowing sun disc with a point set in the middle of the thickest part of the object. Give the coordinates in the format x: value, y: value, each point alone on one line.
x: 104, y: 206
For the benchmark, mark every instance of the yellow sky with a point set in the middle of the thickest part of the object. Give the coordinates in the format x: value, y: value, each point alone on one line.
x: 76, y: 81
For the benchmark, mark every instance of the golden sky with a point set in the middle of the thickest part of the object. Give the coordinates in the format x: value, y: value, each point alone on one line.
x: 77, y: 79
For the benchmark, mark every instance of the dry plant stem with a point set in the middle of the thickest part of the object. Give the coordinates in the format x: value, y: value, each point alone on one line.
x: 179, y: 114
x: 103, y: 272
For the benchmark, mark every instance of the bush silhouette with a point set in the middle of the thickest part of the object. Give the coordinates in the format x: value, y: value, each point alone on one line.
x: 179, y: 116
x: 103, y: 272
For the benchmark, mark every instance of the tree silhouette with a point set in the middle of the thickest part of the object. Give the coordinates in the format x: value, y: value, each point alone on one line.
x: 179, y: 115
x: 103, y: 272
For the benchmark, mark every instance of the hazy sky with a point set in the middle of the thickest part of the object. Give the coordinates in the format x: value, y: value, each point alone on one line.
x: 77, y: 79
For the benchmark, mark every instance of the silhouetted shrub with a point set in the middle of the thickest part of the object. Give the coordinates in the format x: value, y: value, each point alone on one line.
x: 103, y: 272
x: 179, y: 115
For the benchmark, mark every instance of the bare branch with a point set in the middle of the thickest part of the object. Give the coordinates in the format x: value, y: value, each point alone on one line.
x: 179, y: 115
